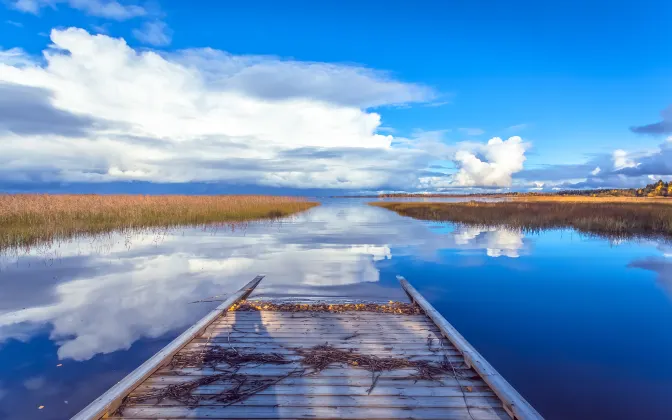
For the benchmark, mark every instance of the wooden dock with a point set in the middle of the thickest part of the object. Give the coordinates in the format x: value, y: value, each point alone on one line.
x: 441, y: 375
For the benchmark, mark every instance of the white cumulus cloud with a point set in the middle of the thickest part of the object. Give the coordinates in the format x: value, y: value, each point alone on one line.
x: 622, y: 160
x: 492, y: 164
x: 198, y: 115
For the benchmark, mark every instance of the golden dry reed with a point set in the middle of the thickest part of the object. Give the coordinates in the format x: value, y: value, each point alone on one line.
x: 611, y: 217
x: 30, y: 219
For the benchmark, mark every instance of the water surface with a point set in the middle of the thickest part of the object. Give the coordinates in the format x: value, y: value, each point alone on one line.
x: 579, y: 325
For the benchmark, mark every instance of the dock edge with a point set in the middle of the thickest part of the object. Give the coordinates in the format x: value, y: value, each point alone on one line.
x: 107, y: 403
x: 514, y: 403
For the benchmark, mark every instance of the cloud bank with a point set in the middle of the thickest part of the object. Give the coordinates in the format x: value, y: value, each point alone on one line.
x: 620, y: 169
x: 203, y: 115
x: 661, y: 127
x: 199, y: 115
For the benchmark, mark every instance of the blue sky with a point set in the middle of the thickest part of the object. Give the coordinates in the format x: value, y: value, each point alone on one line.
x: 394, y: 95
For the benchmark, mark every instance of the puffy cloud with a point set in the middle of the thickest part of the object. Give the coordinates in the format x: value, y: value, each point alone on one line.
x: 200, y: 115
x: 28, y: 110
x: 622, y: 160
x: 498, y: 161
x: 271, y: 78
x: 620, y: 169
x: 658, y: 162
x: 154, y: 33
x: 496, y: 241
x: 661, y: 127
x: 110, y: 9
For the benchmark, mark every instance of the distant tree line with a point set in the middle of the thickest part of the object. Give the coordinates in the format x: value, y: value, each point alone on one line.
x: 657, y: 189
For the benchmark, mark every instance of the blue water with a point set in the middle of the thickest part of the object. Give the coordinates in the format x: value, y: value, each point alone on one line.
x: 579, y: 325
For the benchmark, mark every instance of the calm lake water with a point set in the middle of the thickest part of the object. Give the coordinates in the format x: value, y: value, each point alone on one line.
x: 582, y: 327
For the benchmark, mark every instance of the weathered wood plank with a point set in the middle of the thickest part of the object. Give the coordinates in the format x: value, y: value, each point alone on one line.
x: 364, y: 382
x: 283, y: 370
x: 426, y: 356
x: 320, y: 412
x: 334, y: 316
x: 296, y: 364
x: 363, y: 401
x: 314, y: 341
x: 416, y: 351
x: 314, y: 314
x: 363, y: 326
x: 312, y: 392
x: 369, y: 347
x: 322, y: 337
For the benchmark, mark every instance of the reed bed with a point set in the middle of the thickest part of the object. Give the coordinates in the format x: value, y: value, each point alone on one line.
x: 611, y: 217
x: 30, y: 219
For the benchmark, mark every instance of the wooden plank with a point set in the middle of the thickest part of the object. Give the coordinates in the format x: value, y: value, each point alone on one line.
x: 281, y: 370
x: 335, y: 317
x: 315, y: 314
x: 364, y: 401
x: 291, y: 355
x: 296, y: 363
x: 415, y: 349
x: 362, y: 347
x: 243, y: 315
x: 110, y: 400
x: 235, y: 336
x: 476, y: 383
x: 328, y: 390
x: 364, y: 326
x: 314, y: 341
x: 329, y: 324
x: 511, y: 399
x: 321, y: 412
x: 317, y: 322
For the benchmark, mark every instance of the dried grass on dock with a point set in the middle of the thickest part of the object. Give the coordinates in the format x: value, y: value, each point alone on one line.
x: 389, y: 308
x: 214, y: 355
x: 243, y: 386
x: 322, y: 356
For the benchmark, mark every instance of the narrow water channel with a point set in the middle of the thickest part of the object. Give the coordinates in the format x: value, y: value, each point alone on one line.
x: 579, y: 325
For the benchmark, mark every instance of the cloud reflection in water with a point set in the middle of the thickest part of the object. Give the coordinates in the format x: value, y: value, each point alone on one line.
x: 100, y: 296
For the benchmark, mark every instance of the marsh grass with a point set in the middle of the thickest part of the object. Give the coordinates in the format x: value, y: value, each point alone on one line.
x: 31, y: 219
x: 615, y: 218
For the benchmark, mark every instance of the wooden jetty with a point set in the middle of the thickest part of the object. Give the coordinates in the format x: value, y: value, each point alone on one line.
x: 390, y: 366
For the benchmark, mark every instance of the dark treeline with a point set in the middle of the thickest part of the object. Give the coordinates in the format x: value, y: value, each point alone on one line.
x: 658, y: 189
